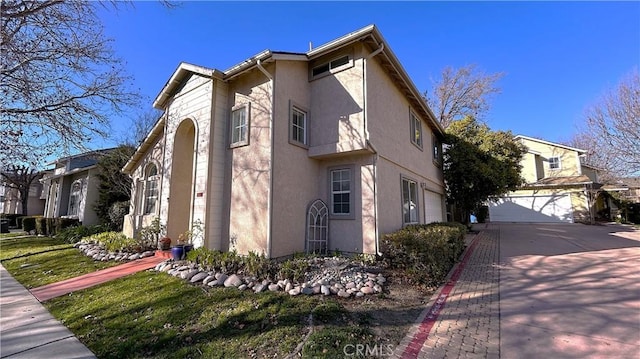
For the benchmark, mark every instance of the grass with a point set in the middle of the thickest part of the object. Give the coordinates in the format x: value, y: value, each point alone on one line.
x: 176, y: 320
x: 37, y: 261
x: 154, y: 315
x: 12, y: 234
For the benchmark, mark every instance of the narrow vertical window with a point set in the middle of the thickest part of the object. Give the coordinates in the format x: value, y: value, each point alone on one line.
x: 298, y: 123
x: 437, y: 150
x: 240, y: 126
x: 416, y: 130
x: 74, y: 198
x: 409, y: 201
x: 151, y: 189
x: 341, y: 192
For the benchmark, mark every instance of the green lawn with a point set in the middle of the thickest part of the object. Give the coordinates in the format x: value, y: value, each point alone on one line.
x: 154, y: 315
x: 36, y: 261
x: 12, y: 234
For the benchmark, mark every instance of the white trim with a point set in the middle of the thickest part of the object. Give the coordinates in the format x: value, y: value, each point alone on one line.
x: 550, y: 143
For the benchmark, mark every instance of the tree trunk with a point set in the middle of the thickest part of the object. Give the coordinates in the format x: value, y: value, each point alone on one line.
x: 24, y: 199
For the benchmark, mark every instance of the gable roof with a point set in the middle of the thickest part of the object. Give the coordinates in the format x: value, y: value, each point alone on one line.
x: 581, y: 152
x: 368, y: 35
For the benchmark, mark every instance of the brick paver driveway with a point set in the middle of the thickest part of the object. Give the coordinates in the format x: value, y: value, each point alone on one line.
x: 569, y: 291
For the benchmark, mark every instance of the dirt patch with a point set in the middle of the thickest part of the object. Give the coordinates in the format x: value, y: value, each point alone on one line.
x: 390, y: 315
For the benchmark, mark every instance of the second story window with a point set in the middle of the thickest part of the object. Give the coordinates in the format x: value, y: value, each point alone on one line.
x: 240, y: 125
x: 332, y: 66
x: 437, y: 150
x: 416, y: 130
x: 298, y: 126
x: 554, y: 163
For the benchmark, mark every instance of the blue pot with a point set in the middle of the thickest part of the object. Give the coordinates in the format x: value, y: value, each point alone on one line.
x: 178, y: 252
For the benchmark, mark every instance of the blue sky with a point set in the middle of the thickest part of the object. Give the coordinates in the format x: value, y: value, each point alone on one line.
x: 558, y: 57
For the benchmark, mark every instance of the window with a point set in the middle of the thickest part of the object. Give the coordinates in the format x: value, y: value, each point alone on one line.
x: 240, y: 126
x: 437, y: 150
x: 151, y: 189
x: 332, y: 66
x: 416, y: 130
x: 74, y: 198
x: 341, y: 187
x: 554, y: 163
x: 298, y: 126
x: 409, y: 201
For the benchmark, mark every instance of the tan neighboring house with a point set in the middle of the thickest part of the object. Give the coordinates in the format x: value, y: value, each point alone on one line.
x: 11, y: 202
x: 557, y: 187
x: 72, y: 188
x: 291, y: 152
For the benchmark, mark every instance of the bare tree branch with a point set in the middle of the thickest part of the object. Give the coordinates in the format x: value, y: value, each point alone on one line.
x: 60, y: 81
x: 462, y: 92
x: 611, y: 129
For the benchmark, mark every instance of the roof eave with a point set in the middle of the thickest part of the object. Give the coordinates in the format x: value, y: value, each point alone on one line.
x: 156, y: 131
x: 183, y: 70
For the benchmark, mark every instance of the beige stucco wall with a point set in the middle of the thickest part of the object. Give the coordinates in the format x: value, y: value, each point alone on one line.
x: 295, y: 175
x: 337, y: 106
x: 388, y: 123
x: 250, y: 165
x: 569, y: 161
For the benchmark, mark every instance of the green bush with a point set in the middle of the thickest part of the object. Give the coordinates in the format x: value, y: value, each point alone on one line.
x: 74, y: 234
x: 13, y: 219
x: 115, y: 241
x: 41, y: 226
x: 256, y: 265
x: 28, y: 224
x: 425, y: 253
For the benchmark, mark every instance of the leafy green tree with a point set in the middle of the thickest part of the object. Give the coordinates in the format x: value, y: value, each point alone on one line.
x: 479, y: 164
x: 115, y: 187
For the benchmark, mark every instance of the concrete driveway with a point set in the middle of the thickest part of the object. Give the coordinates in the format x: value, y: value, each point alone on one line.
x: 569, y: 291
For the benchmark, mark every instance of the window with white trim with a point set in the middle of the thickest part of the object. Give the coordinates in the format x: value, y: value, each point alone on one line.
x: 341, y: 188
x: 437, y: 150
x: 416, y: 130
x: 240, y: 125
x: 409, y: 201
x: 298, y: 126
x: 75, y: 196
x: 332, y: 66
x: 554, y: 163
x: 151, y: 189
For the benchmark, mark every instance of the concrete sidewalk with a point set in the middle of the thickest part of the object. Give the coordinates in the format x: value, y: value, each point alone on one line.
x: 28, y: 330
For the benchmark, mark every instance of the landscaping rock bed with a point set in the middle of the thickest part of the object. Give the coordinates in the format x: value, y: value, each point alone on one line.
x: 99, y: 253
x: 327, y: 276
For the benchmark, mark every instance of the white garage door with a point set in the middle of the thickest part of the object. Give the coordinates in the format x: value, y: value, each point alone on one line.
x: 532, y: 209
x: 432, y: 207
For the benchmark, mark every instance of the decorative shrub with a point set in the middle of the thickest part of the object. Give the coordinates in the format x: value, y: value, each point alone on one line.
x: 115, y: 241
x: 41, y: 226
x: 28, y: 224
x: 74, y: 234
x: 425, y: 252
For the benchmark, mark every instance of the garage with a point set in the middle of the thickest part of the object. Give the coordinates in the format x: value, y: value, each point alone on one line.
x: 432, y: 207
x: 539, y: 209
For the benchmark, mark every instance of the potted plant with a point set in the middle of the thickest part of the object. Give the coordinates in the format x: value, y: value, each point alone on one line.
x: 164, y: 243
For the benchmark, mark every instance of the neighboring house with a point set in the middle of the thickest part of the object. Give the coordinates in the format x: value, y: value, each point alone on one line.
x: 290, y: 152
x: 11, y: 203
x: 557, y: 187
x: 72, y: 187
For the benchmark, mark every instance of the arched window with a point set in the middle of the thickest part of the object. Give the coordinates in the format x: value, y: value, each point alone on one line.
x: 75, y: 196
x: 151, y: 189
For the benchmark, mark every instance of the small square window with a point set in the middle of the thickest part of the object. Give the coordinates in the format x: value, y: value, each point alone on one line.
x: 554, y: 163
x: 416, y: 130
x: 240, y: 126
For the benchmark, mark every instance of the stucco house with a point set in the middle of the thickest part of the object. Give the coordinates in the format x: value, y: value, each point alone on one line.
x: 72, y: 187
x: 558, y: 188
x: 290, y: 152
x: 11, y: 201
